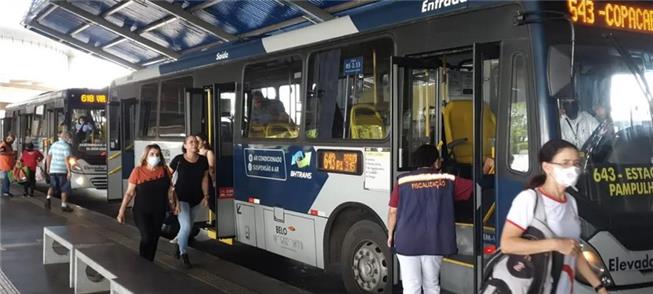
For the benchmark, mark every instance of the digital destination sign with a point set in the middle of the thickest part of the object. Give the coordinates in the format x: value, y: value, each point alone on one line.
x: 624, y: 16
x: 340, y: 161
x: 93, y: 98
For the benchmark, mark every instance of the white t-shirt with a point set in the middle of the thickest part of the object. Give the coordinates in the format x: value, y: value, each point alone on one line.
x: 578, y: 130
x: 562, y: 219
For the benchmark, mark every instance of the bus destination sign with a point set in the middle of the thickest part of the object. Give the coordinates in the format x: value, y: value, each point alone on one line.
x: 93, y: 98
x: 623, y: 16
x: 340, y: 161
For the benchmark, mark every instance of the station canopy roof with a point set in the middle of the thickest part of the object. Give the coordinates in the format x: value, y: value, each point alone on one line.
x: 138, y: 33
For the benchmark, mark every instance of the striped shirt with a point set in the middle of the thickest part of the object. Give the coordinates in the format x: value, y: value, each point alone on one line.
x: 60, y: 150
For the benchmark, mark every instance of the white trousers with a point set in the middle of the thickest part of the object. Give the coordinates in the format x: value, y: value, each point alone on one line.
x: 420, y: 272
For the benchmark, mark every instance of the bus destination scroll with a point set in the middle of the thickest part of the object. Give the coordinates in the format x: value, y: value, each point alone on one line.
x: 623, y: 180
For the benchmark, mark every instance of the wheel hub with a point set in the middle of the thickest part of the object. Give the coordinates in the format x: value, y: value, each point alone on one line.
x: 370, y: 267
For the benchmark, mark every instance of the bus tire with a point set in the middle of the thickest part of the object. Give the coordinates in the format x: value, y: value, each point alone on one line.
x: 366, y: 259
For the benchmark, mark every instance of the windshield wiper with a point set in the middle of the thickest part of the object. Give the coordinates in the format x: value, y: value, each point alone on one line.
x: 639, y: 74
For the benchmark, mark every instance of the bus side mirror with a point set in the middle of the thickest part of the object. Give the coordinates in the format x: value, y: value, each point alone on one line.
x: 559, y: 72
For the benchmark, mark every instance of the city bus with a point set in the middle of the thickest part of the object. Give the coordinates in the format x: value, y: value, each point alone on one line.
x: 312, y: 126
x: 39, y: 121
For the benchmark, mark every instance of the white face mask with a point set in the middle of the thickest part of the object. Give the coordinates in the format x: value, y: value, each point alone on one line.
x: 566, y: 176
x: 153, y: 160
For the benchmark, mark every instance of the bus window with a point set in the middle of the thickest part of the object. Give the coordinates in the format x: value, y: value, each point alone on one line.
x: 148, y: 110
x: 349, y: 92
x: 272, y: 99
x: 89, y: 129
x: 519, y: 155
x: 171, y: 122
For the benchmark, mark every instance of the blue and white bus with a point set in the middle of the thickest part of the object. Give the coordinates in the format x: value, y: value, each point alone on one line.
x: 312, y: 126
x: 39, y: 121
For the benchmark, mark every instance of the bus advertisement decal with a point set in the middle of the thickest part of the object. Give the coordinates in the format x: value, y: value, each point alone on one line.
x: 265, y: 163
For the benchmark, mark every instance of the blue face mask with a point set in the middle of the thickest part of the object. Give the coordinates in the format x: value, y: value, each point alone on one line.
x: 153, y: 161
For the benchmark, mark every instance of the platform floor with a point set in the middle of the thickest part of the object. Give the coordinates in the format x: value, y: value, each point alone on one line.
x: 21, y: 270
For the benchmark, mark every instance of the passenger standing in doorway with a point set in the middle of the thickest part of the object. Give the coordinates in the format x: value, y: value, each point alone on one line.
x: 560, y: 161
x: 206, y: 151
x: 58, y: 167
x: 149, y: 182
x: 421, y: 220
x: 30, y: 158
x: 192, y: 188
x: 7, y: 158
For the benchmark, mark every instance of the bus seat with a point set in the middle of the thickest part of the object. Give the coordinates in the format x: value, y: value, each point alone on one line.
x: 280, y: 130
x: 458, y: 129
x: 366, y: 122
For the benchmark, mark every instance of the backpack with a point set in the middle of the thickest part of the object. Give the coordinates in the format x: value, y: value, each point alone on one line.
x: 525, y: 274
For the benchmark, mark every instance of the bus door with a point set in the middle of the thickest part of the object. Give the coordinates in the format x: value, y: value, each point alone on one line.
x: 223, y: 146
x: 210, y: 112
x: 114, y: 156
x: 127, y: 129
x: 486, y: 97
x: 415, y: 103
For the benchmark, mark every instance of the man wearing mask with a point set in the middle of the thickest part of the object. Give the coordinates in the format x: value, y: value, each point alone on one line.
x: 7, y: 158
x: 576, y: 125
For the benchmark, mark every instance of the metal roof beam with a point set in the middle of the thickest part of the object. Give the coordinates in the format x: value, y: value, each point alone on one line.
x: 113, y: 9
x: 46, y: 12
x: 116, y: 29
x: 298, y: 20
x: 84, y: 46
x: 311, y: 11
x: 204, y: 5
x: 193, y: 19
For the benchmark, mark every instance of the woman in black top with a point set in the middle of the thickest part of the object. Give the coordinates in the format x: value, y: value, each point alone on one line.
x: 149, y: 182
x: 191, y: 187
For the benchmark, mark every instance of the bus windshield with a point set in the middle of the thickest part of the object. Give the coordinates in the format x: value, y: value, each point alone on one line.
x: 88, y: 130
x: 610, y: 122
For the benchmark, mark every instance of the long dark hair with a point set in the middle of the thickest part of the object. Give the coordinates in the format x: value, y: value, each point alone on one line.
x: 546, y: 154
x: 203, y: 138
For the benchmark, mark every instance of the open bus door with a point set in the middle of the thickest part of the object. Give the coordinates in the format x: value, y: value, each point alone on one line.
x: 223, y: 142
x: 214, y: 118
x: 118, y: 175
x: 448, y: 99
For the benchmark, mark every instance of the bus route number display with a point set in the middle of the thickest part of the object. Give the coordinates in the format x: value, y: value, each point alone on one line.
x: 623, y: 180
x: 340, y: 161
x: 93, y: 98
x: 625, y: 16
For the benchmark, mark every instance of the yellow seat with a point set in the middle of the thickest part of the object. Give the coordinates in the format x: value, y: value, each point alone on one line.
x: 280, y: 130
x: 366, y: 122
x: 458, y: 129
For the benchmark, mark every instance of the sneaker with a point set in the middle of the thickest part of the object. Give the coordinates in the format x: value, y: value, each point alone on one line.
x: 48, y: 203
x: 66, y: 209
x: 185, y: 263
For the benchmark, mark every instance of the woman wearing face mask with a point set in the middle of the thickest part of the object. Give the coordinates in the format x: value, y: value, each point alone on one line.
x: 192, y: 188
x: 150, y: 184
x: 560, y: 161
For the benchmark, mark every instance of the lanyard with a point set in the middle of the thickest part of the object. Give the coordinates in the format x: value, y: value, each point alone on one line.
x: 572, y: 128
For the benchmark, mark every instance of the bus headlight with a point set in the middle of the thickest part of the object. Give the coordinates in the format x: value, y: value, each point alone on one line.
x: 596, y: 264
x: 72, y: 161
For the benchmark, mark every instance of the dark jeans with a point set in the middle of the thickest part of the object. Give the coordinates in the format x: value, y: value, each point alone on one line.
x: 31, y: 182
x: 149, y: 224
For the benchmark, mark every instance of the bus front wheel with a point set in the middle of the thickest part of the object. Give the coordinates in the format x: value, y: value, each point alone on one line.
x: 366, y: 259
